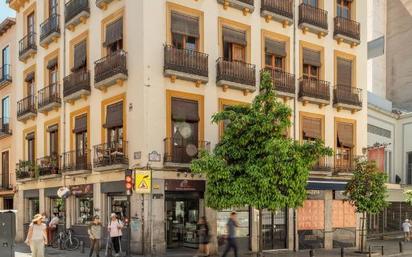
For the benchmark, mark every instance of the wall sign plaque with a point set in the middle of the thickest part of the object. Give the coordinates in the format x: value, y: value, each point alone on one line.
x: 82, y: 189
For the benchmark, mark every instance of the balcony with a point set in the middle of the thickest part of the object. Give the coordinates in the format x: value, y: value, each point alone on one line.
x: 49, y: 166
x: 313, y: 19
x: 185, y: 64
x: 278, y: 10
x: 5, y: 75
x: 5, y: 183
x: 49, y: 98
x: 236, y: 75
x: 50, y: 30
x: 347, y: 31
x: 111, y: 156
x: 110, y: 70
x: 77, y: 161
x: 283, y: 82
x: 102, y: 4
x: 323, y: 166
x: 5, y: 130
x: 347, y: 97
x: 246, y: 6
x: 314, y: 91
x: 25, y: 171
x: 76, y: 12
x: 344, y: 163
x: 27, y: 46
x: 180, y: 152
x: 76, y: 85
x: 26, y: 108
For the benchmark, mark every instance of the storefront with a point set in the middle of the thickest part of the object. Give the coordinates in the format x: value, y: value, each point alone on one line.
x: 31, y: 207
x: 243, y: 232
x: 82, y: 200
x: 55, y: 206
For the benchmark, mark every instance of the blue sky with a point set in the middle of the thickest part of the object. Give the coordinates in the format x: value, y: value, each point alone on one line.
x: 5, y: 11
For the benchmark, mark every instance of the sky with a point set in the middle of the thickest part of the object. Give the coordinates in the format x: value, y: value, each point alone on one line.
x: 5, y: 11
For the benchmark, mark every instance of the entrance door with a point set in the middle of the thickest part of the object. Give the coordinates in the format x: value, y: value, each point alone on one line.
x: 274, y: 229
x: 182, y: 216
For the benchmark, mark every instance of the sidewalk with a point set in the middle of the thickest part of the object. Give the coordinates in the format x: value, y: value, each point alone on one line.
x: 391, y: 249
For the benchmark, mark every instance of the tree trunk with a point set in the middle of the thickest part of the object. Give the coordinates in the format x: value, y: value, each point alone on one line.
x: 260, y: 254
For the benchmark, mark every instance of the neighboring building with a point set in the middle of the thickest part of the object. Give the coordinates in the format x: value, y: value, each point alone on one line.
x: 110, y: 82
x: 7, y: 113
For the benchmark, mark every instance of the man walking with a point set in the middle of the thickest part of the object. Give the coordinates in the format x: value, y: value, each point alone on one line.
x: 406, y: 227
x: 232, y: 224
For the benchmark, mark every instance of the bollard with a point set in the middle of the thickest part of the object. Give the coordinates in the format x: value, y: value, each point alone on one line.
x: 400, y: 246
x: 370, y: 252
x: 81, y: 247
x: 382, y: 250
x: 311, y: 253
x: 342, y: 252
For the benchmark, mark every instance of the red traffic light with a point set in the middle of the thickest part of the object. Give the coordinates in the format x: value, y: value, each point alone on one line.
x: 128, y: 179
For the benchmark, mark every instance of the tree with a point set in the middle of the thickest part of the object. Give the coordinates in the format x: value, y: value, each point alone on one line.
x: 255, y: 164
x: 367, y: 191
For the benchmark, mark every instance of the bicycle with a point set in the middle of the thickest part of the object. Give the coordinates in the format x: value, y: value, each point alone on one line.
x: 66, y: 240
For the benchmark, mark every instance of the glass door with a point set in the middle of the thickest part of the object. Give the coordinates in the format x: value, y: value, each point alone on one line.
x: 274, y: 229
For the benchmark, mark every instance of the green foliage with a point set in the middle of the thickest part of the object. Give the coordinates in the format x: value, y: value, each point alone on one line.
x: 366, y: 190
x: 408, y: 196
x: 254, y: 164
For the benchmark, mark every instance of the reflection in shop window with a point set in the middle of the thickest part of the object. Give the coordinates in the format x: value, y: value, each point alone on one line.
x: 34, y: 208
x: 57, y: 208
x: 119, y: 205
x: 84, y: 207
x: 242, y: 217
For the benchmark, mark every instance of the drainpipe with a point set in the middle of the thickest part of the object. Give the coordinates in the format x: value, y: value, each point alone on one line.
x: 64, y: 105
x: 294, y: 109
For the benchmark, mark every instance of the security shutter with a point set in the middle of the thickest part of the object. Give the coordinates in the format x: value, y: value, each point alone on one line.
x: 114, y: 116
x: 345, y: 134
x: 185, y: 24
x: 80, y: 124
x: 344, y: 72
x: 312, y: 128
x: 52, y: 63
x: 53, y: 128
x: 311, y: 57
x: 275, y: 47
x: 114, y: 32
x: 234, y: 36
x: 80, y: 55
x: 185, y: 110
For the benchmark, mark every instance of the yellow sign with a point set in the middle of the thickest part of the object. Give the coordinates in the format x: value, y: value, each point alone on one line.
x: 143, y: 182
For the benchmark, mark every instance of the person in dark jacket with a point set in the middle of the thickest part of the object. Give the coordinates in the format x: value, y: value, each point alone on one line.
x: 232, y: 224
x: 204, y: 237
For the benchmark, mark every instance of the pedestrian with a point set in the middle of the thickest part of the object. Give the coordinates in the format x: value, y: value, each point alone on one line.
x: 37, y: 236
x: 406, y: 227
x: 95, y: 234
x: 232, y: 224
x: 52, y: 228
x: 115, y: 231
x: 203, y: 233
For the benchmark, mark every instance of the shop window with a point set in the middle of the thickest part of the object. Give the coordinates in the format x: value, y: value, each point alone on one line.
x: 34, y: 208
x: 185, y: 31
x: 84, y: 207
x: 114, y: 123
x: 344, y: 72
x: 234, y: 44
x: 114, y: 36
x: 311, y: 64
x: 30, y: 140
x: 120, y: 206
x: 275, y: 54
x: 80, y: 56
x: 57, y: 208
x: 344, y: 8
x: 243, y: 219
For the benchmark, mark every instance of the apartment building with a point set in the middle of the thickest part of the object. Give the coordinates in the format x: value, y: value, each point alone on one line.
x: 109, y: 85
x: 7, y: 110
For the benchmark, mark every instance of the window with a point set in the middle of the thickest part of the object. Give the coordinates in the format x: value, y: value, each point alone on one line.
x: 80, y: 56
x: 57, y: 207
x: 344, y: 8
x: 409, y: 168
x: 5, y: 170
x: 84, y: 209
x: 30, y: 84
x: 311, y: 128
x: 34, y: 208
x: 30, y: 24
x: 185, y: 31
x: 5, y: 60
x: 114, y: 123
x: 311, y: 64
x: 30, y: 147
x: 53, y: 140
x: 376, y: 47
x: 313, y: 3
x: 344, y: 144
x: 114, y: 36
x: 344, y: 72
x: 275, y: 53
x: 53, y: 7
x: 234, y: 44
x: 5, y: 112
x: 80, y: 131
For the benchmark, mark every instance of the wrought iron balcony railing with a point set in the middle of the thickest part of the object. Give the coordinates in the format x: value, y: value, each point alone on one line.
x: 49, y: 165
x: 183, y: 151
x: 343, y: 94
x: 26, y: 105
x: 49, y: 26
x: 5, y: 126
x: 347, y: 28
x: 49, y: 95
x: 75, y: 82
x: 75, y: 7
x: 185, y: 60
x: 27, y: 44
x: 236, y: 71
x: 77, y: 160
x: 280, y: 7
x: 314, y: 88
x: 282, y: 81
x: 112, y: 153
x: 25, y: 170
x: 314, y: 16
x: 110, y: 66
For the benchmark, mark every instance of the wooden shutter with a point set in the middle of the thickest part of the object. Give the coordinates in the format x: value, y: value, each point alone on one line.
x: 29, y: 77
x: 238, y: 53
x: 312, y: 128
x: 345, y: 134
x: 114, y: 32
x: 185, y: 110
x: 185, y: 24
x: 80, y: 55
x: 275, y: 47
x: 30, y: 136
x: 344, y: 72
x: 52, y: 63
x: 234, y: 36
x: 114, y: 115
x: 80, y: 124
x: 311, y: 57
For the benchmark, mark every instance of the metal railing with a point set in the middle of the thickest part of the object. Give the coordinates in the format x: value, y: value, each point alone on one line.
x: 26, y: 105
x: 5, y: 180
x: 282, y: 81
x: 110, y: 65
x: 347, y: 27
x: 49, y: 26
x: 5, y: 126
x: 325, y: 163
x: 110, y: 154
x: 185, y: 60
x: 179, y: 150
x: 76, y: 81
x: 347, y: 95
x: 25, y: 169
x: 314, y: 88
x: 281, y: 7
x: 74, y: 7
x: 5, y: 73
x: 76, y: 160
x: 314, y: 16
x: 236, y: 71
x: 26, y: 43
x: 49, y: 165
x: 344, y: 163
x: 48, y: 95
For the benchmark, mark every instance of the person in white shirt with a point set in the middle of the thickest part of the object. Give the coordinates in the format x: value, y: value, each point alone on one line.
x: 115, y: 230
x: 406, y: 227
x: 51, y: 231
x: 37, y: 236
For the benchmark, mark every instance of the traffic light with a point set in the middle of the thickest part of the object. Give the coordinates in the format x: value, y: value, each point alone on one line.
x: 128, y: 181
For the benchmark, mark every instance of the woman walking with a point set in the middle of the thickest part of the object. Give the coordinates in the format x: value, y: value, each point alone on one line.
x: 115, y: 230
x: 37, y: 236
x: 204, y: 237
x: 95, y: 234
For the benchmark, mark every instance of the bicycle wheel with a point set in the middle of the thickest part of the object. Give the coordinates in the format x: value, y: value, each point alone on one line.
x: 72, y: 243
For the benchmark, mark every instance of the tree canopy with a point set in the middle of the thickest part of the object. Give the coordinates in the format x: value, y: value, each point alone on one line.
x: 255, y: 164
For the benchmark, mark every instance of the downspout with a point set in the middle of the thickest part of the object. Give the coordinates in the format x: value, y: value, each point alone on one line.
x: 64, y: 104
x: 294, y: 111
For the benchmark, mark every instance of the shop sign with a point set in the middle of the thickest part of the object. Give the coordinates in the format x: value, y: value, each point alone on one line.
x: 82, y: 189
x: 185, y: 185
x: 143, y: 182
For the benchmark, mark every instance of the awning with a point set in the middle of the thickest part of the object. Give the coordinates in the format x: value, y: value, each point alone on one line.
x: 275, y: 47
x: 80, y: 124
x: 234, y: 36
x: 114, y: 116
x: 339, y: 185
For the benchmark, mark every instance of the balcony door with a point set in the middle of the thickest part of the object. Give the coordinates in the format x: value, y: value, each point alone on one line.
x: 344, y: 8
x: 30, y: 29
x: 80, y: 131
x: 313, y: 3
x: 114, y: 123
x: 234, y: 44
x: 5, y: 172
x: 345, y: 145
x: 114, y: 36
x: 185, y: 31
x: 185, y: 125
x: 5, y: 113
x: 5, y: 61
x: 31, y: 157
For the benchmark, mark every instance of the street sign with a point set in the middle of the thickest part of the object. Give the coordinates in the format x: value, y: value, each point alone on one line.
x: 143, y: 182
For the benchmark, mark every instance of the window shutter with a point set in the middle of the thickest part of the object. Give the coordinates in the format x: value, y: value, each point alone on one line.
x: 311, y: 57
x: 234, y: 36
x: 52, y: 63
x: 29, y: 77
x: 345, y: 134
x: 30, y: 136
x: 80, y: 124
x: 185, y: 110
x: 275, y: 47
x: 80, y: 53
x: 312, y: 128
x: 114, y: 115
x: 185, y: 24
x: 114, y: 32
x: 344, y: 73
x: 53, y: 128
